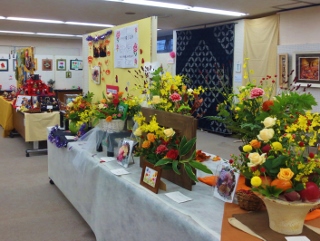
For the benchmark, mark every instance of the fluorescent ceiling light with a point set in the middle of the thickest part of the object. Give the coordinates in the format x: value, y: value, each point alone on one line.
x: 90, y: 24
x: 179, y: 7
x: 153, y: 4
x: 34, y: 20
x: 216, y: 11
x: 15, y: 32
x: 1, y: 17
x: 56, y: 34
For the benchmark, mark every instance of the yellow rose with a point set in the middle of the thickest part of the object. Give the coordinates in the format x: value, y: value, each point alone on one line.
x: 285, y: 174
x: 266, y: 134
x: 277, y: 146
x: 256, y: 159
x: 269, y: 122
x: 156, y: 99
x: 256, y: 181
x: 169, y: 132
x: 247, y: 148
x: 137, y: 132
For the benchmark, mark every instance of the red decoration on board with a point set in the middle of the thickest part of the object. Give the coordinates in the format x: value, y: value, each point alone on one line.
x: 142, y: 61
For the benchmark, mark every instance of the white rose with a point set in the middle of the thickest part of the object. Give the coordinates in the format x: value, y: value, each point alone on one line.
x: 100, y: 106
x: 169, y: 132
x: 265, y: 134
x: 256, y: 159
x: 70, y: 104
x: 190, y: 91
x: 269, y: 122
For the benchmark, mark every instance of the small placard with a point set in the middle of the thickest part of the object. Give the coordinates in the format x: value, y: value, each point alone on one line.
x: 119, y: 171
x: 49, y: 107
x: 178, y: 197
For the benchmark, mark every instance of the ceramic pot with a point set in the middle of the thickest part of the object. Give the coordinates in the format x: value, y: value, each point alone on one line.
x: 287, y: 217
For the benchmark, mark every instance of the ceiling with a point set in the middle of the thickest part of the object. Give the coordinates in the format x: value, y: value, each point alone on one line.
x: 99, y: 11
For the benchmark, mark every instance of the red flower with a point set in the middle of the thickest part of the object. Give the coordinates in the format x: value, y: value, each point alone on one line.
x: 301, y: 144
x: 115, y: 101
x: 262, y: 169
x: 266, y: 148
x: 161, y: 149
x: 231, y: 161
x: 266, y: 105
x: 173, y: 154
x: 311, y: 155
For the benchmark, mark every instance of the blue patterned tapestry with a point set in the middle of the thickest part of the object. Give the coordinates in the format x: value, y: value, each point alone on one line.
x: 206, y: 57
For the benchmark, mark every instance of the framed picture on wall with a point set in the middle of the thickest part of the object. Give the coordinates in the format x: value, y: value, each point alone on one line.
x: 68, y: 74
x: 96, y: 74
x: 283, y: 81
x: 61, y: 64
x: 76, y: 64
x: 47, y: 64
x: 4, y: 65
x: 307, y: 67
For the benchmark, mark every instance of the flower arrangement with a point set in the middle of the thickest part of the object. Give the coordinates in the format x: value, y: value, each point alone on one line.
x: 169, y: 93
x: 164, y: 147
x: 244, y: 109
x: 277, y: 133
x: 109, y: 108
x: 80, y: 110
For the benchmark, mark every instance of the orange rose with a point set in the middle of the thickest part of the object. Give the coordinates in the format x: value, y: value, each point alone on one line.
x: 151, y: 137
x: 109, y: 118
x: 255, y: 143
x: 146, y: 144
x: 103, y: 101
x: 266, y: 105
x: 120, y: 93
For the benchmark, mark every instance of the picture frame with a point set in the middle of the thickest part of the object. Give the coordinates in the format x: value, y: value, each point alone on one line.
x: 307, y: 68
x: 96, y: 75
x: 76, y: 64
x: 61, y: 64
x: 68, y: 74
x: 47, y: 65
x: 226, y: 183
x: 283, y: 73
x: 150, y: 177
x: 4, y: 65
x: 14, y: 64
x: 125, y: 152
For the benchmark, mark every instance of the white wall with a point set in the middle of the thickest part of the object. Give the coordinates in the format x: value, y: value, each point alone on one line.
x: 51, y: 48
x: 300, y: 33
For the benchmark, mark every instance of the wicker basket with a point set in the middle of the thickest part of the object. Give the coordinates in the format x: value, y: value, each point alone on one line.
x: 247, y: 200
x: 112, y: 126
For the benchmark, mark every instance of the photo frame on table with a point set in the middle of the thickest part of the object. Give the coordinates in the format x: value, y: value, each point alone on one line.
x: 283, y: 73
x: 61, y: 64
x: 124, y: 154
x: 4, y: 65
x: 307, y: 67
x: 150, y: 177
x: 226, y: 183
x: 76, y: 64
x: 47, y: 64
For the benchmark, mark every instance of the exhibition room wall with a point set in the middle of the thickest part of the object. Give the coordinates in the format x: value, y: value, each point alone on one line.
x: 44, y: 48
x: 300, y: 34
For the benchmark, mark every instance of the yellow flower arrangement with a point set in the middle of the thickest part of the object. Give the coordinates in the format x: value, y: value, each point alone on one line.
x: 170, y: 93
x: 80, y: 110
x: 164, y: 147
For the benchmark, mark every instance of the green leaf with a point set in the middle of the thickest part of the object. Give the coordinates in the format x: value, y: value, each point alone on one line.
x: 190, y: 172
x: 299, y: 187
x: 200, y: 166
x: 163, y: 162
x: 186, y: 147
x: 175, y: 167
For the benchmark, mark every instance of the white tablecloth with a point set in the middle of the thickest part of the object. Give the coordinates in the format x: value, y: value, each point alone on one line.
x: 119, y: 208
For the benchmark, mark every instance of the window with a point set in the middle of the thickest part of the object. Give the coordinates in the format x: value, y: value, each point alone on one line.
x: 164, y: 44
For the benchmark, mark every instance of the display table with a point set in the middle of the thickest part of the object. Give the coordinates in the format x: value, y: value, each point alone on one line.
x: 119, y: 208
x: 33, y: 127
x: 6, y: 116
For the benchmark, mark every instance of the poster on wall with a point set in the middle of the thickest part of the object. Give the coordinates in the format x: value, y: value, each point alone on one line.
x: 126, y: 47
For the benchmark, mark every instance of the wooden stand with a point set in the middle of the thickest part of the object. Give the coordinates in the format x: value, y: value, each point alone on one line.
x: 185, y: 126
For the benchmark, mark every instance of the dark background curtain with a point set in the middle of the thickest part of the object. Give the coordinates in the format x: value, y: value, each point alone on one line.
x: 206, y: 57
